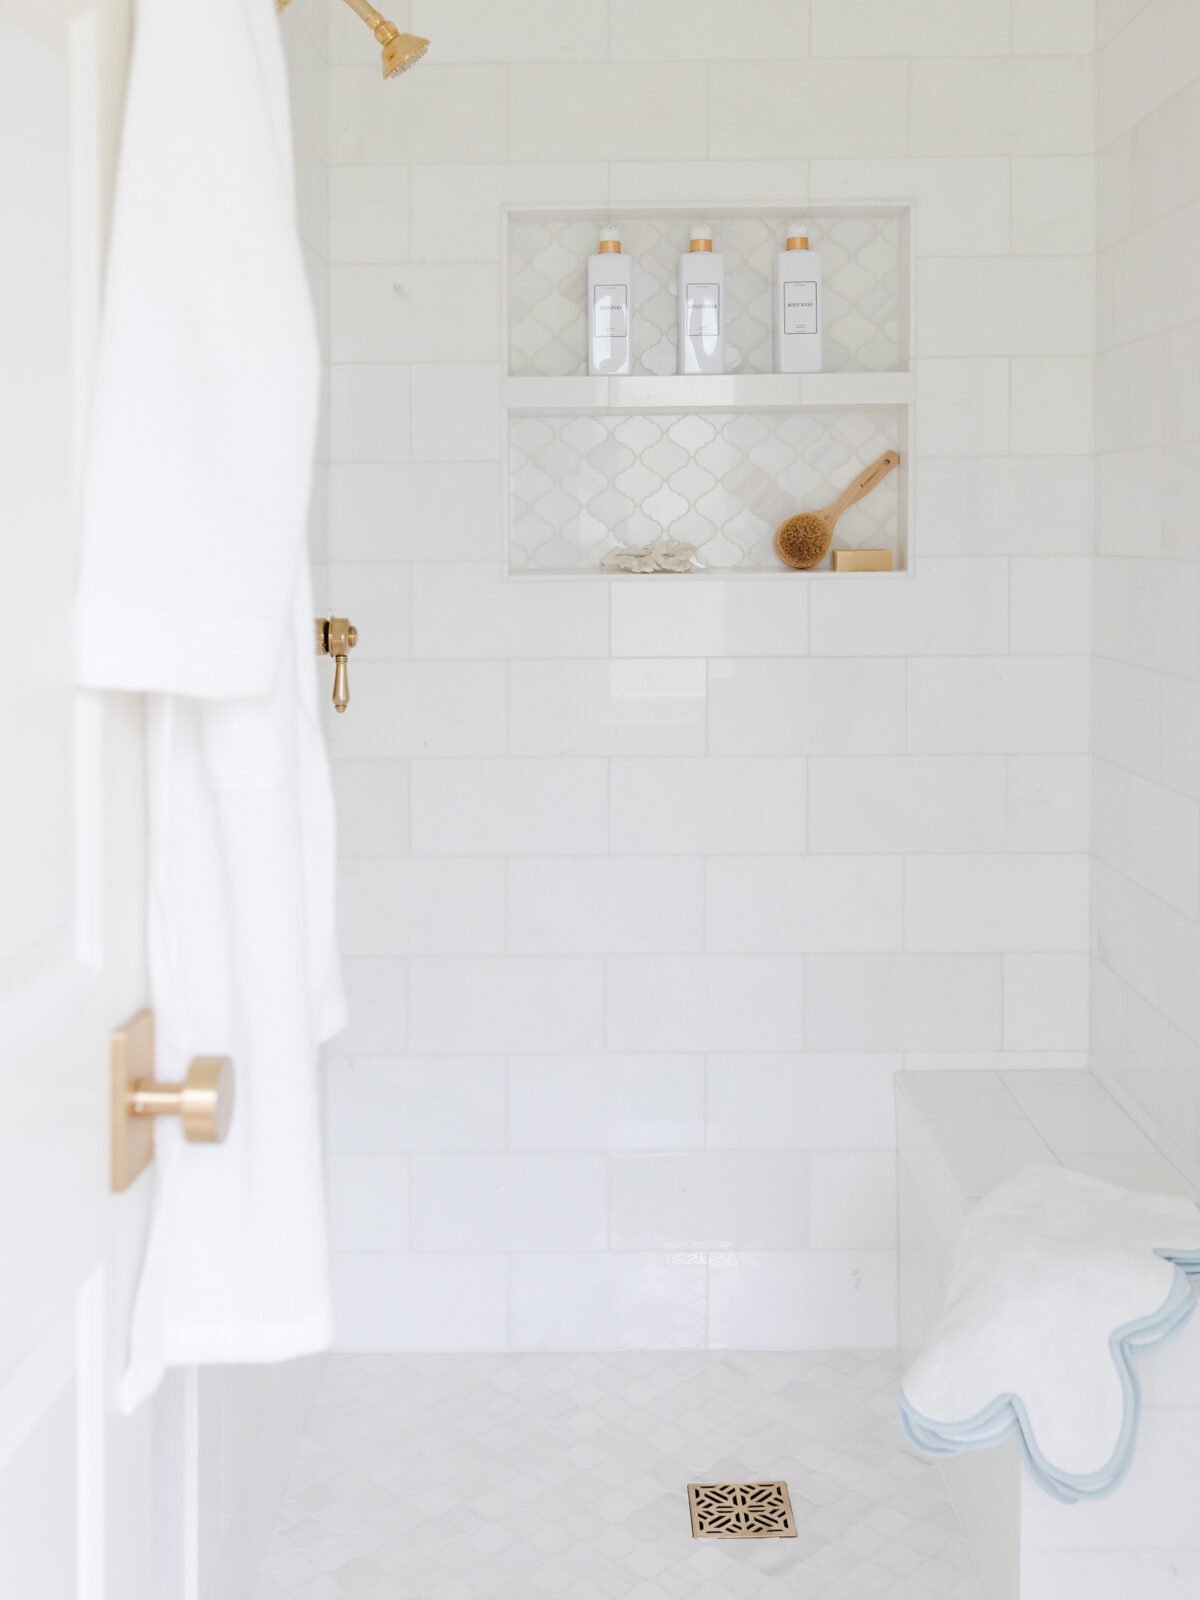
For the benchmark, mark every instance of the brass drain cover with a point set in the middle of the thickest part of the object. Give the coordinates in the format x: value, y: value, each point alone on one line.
x: 741, y: 1511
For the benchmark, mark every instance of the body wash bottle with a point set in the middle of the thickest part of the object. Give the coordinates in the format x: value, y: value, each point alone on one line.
x: 799, y: 323
x: 701, y: 306
x: 610, y: 315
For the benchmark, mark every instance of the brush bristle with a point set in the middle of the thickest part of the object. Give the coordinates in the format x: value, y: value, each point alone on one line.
x: 802, y: 540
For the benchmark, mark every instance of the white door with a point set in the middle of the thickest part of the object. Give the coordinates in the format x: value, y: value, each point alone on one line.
x: 89, y: 1502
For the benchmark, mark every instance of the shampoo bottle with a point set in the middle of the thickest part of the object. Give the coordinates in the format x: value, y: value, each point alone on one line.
x: 610, y: 316
x: 701, y: 306
x: 799, y: 322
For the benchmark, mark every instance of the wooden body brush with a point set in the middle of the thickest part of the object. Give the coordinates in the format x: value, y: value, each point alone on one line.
x: 803, y: 540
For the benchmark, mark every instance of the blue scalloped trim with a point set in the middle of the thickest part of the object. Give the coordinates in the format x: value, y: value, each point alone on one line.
x: 1007, y: 1415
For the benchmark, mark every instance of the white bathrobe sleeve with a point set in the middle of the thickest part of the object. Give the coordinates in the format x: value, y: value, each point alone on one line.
x: 207, y: 389
x: 194, y: 589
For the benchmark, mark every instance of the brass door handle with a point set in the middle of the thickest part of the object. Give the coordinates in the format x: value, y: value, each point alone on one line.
x: 336, y: 637
x: 203, y: 1101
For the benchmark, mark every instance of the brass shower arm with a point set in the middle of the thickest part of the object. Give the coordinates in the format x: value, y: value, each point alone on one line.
x: 373, y: 19
x: 400, y: 50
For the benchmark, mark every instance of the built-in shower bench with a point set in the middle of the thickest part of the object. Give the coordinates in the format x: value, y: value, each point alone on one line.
x: 959, y: 1134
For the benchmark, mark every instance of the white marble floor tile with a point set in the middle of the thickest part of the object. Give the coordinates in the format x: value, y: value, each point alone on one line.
x: 515, y: 1477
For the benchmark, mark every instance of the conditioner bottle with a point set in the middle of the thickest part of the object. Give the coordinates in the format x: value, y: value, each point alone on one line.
x: 701, y: 306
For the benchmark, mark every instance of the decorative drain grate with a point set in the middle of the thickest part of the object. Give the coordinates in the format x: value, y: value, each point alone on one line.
x: 741, y: 1511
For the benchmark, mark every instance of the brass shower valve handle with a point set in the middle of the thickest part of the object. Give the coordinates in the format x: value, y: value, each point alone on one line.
x: 336, y: 637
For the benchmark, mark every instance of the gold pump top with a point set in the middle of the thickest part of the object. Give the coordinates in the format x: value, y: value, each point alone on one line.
x: 610, y: 242
x: 701, y: 239
x: 797, y: 241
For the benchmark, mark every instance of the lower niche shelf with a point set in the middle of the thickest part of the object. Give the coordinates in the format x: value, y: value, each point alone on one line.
x: 583, y: 482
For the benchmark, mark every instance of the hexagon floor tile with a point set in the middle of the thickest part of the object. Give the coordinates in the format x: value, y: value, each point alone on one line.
x: 557, y: 1477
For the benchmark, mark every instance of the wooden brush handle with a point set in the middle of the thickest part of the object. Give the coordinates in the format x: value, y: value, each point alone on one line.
x: 864, y: 483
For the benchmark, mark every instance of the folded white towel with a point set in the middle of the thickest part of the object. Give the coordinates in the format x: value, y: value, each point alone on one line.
x: 1058, y: 1280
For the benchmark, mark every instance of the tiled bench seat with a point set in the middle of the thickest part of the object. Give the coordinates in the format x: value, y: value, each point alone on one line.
x: 960, y: 1133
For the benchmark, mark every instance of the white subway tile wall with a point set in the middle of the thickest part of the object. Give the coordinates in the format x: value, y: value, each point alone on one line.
x: 1145, y: 1019
x: 649, y: 889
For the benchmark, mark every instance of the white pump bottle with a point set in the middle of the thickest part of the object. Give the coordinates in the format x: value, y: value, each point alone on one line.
x: 609, y: 308
x: 799, y: 313
x: 701, y: 306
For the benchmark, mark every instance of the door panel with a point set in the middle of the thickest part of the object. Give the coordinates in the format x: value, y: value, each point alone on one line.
x: 85, y: 1497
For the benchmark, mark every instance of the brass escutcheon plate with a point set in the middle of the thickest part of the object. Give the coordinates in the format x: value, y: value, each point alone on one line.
x: 132, y: 1137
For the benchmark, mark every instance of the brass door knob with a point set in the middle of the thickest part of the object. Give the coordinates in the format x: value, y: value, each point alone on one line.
x: 336, y: 637
x: 203, y: 1101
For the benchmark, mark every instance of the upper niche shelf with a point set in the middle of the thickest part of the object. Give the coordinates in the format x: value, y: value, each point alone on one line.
x: 864, y: 255
x: 761, y: 391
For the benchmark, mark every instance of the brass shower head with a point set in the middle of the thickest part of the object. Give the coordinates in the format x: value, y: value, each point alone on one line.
x: 400, y: 50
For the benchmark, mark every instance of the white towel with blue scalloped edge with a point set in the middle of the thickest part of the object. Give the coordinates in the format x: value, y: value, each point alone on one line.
x: 1059, y: 1281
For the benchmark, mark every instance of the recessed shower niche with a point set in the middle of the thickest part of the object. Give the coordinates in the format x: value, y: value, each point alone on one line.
x: 593, y: 463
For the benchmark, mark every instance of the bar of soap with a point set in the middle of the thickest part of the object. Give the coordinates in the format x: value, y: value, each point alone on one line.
x: 862, y: 560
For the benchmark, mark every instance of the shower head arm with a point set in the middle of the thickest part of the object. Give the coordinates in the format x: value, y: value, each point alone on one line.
x: 383, y: 30
x: 400, y: 50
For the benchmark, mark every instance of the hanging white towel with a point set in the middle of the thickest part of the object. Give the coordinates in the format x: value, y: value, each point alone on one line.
x: 194, y: 588
x: 1059, y: 1281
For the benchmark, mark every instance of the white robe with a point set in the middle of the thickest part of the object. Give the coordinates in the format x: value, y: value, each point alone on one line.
x: 194, y: 588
